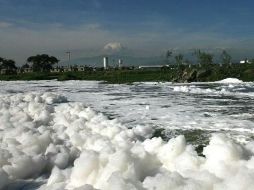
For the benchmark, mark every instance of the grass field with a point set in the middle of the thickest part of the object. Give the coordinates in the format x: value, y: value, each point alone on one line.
x: 205, y: 73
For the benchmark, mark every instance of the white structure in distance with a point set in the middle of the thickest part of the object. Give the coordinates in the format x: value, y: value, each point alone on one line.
x: 245, y: 61
x: 105, y: 63
x: 120, y: 63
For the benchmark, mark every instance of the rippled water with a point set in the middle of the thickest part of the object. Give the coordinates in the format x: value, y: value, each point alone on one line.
x: 206, y: 107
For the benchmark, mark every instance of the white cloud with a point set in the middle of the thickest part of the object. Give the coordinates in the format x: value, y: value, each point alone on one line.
x: 113, y: 47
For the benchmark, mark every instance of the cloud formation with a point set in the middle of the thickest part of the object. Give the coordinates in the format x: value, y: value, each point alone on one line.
x: 113, y: 47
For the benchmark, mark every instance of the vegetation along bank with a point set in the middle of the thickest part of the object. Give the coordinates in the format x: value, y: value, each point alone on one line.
x: 40, y: 67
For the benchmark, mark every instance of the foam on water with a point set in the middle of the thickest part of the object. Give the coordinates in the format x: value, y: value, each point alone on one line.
x: 205, y: 106
x: 230, y: 80
x: 66, y: 145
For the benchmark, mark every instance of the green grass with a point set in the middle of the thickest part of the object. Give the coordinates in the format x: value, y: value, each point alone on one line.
x: 117, y: 76
x: 205, y: 73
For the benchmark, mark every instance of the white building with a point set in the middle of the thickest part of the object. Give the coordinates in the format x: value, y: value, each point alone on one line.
x: 245, y: 61
x: 152, y: 66
x: 105, y: 63
x: 120, y: 63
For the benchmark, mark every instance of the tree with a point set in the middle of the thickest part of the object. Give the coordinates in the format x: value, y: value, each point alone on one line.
x: 179, y: 59
x: 25, y: 66
x: 7, y: 64
x: 42, y: 63
x: 203, y: 57
x: 225, y: 57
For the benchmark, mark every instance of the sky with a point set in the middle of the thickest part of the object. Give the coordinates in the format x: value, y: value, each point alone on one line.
x: 130, y: 27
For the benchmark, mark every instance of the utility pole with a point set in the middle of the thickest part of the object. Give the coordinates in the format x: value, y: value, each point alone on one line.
x: 69, y: 56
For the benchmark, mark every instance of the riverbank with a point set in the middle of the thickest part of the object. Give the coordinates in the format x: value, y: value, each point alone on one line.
x: 244, y: 72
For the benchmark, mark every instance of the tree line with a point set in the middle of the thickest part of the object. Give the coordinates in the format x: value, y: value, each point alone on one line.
x: 8, y: 65
x: 44, y: 62
x: 202, y: 57
x: 38, y: 63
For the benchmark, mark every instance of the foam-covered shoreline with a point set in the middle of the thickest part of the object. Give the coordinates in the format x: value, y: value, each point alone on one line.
x: 230, y: 81
x: 81, y: 149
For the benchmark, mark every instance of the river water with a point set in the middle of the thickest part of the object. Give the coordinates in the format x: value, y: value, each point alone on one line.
x: 209, y: 115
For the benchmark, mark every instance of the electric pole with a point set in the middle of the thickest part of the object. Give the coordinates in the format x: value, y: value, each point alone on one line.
x: 69, y: 56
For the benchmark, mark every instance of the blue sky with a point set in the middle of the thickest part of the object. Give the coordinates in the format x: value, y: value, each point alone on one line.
x: 141, y: 27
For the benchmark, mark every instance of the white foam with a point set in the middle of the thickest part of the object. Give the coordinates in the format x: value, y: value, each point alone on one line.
x: 82, y: 149
x: 230, y: 81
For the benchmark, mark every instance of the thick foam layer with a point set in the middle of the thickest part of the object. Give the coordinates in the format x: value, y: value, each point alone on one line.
x: 230, y: 80
x: 69, y: 146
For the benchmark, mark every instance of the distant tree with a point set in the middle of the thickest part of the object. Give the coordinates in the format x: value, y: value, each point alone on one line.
x: 179, y: 59
x: 25, y: 66
x: 203, y: 57
x: 225, y: 57
x: 1, y: 62
x: 7, y: 64
x: 42, y: 63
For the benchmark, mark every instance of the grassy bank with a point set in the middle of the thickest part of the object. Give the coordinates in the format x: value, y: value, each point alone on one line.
x: 109, y: 76
x: 181, y: 73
